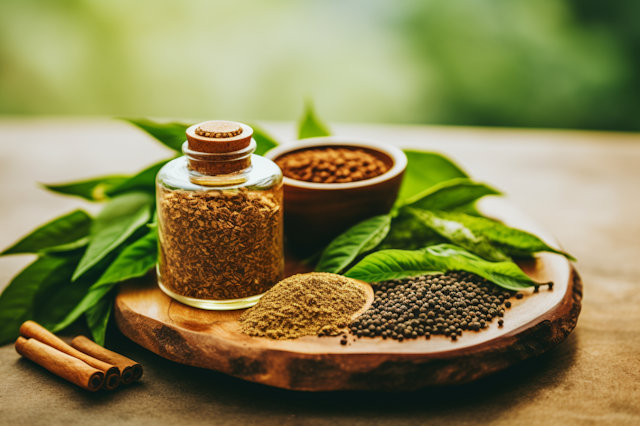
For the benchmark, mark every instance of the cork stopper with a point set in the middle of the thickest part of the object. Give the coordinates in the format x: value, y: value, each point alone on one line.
x: 218, y: 129
x: 218, y: 147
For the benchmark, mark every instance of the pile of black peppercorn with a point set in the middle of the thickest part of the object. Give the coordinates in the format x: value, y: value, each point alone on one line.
x: 432, y: 304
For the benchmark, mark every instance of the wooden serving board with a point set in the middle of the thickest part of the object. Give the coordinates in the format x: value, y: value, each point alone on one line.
x: 210, y: 339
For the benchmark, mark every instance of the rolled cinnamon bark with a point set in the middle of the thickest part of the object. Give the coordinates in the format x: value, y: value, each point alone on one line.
x: 61, y: 364
x: 129, y: 369
x: 34, y: 330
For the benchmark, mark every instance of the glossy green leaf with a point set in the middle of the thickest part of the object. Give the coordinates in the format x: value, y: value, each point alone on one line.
x: 424, y: 170
x: 171, y: 134
x: 408, y: 234
x: 511, y: 241
x: 457, y: 233
x: 154, y: 221
x: 398, y: 264
x: 54, y: 302
x: 63, y: 233
x: 264, y: 140
x: 77, y: 306
x: 98, y: 319
x: 310, y: 125
x: 117, y: 221
x: 91, y: 296
x: 358, y: 239
x: 450, y: 194
x: 468, y: 209
x: 504, y: 274
x: 387, y: 265
x: 92, y: 189
x: 134, y: 261
x: 17, y: 299
x: 69, y: 247
x: 145, y: 181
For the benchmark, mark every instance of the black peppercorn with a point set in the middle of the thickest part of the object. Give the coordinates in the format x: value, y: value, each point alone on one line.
x: 443, y: 304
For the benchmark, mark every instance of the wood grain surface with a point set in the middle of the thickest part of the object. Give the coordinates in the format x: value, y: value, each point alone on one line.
x: 211, y: 339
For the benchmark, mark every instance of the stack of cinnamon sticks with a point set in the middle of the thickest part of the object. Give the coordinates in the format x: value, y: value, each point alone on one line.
x: 84, y: 363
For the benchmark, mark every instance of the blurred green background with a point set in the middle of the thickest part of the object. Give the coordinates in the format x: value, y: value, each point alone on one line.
x: 531, y: 63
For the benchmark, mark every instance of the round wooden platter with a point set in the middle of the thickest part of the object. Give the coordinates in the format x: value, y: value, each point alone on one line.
x: 211, y: 339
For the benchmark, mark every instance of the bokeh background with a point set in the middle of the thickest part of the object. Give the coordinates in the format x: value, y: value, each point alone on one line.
x: 520, y: 63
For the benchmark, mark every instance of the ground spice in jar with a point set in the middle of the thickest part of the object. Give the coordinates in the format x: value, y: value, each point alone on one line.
x: 331, y: 165
x: 432, y: 304
x: 305, y: 305
x: 220, y: 244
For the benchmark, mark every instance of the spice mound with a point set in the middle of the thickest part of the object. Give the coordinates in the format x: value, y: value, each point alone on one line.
x: 305, y: 305
x: 432, y: 304
x: 331, y: 165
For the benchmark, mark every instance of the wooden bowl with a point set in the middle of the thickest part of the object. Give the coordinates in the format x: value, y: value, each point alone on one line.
x: 315, y: 213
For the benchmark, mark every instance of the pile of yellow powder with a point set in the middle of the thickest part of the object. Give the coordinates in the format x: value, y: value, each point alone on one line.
x: 305, y: 305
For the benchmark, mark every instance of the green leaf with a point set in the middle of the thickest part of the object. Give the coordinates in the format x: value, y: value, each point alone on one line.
x: 92, y: 189
x: 398, y: 264
x: 387, y: 265
x: 171, y: 134
x: 468, y: 209
x: 513, y: 242
x: 264, y: 140
x: 118, y: 220
x: 154, y: 221
x: 63, y: 233
x: 69, y: 247
x: 408, y: 234
x: 504, y: 274
x: 358, y: 239
x: 17, y: 299
x: 98, y: 319
x: 450, y: 194
x: 95, y: 284
x: 91, y: 297
x: 310, y: 125
x: 424, y: 170
x: 145, y: 181
x: 457, y: 233
x: 54, y: 302
x: 134, y: 261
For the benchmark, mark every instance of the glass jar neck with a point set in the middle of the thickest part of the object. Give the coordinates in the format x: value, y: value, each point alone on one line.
x: 218, y: 168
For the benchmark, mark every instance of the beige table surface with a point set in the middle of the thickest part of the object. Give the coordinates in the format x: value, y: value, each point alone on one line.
x: 583, y: 186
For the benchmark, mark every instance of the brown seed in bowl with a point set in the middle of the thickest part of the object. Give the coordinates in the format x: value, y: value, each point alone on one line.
x: 331, y: 165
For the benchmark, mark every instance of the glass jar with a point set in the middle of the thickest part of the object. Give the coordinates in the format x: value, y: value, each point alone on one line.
x: 220, y: 232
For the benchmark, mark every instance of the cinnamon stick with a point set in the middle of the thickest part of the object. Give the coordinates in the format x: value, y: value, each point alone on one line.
x: 129, y: 369
x: 61, y: 364
x: 34, y: 330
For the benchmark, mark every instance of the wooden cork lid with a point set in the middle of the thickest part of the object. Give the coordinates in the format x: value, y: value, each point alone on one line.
x: 219, y: 136
x: 218, y: 129
x: 219, y: 147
